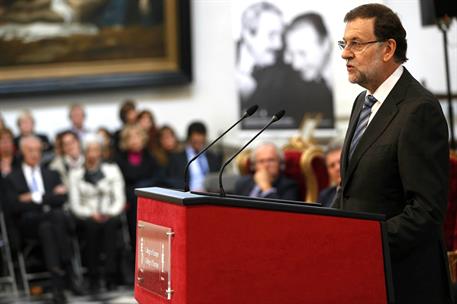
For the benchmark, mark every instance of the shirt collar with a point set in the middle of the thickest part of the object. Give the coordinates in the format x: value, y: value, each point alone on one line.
x: 384, y: 89
x: 30, y: 169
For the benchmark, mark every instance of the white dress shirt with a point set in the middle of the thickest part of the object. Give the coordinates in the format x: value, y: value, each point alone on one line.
x: 384, y: 90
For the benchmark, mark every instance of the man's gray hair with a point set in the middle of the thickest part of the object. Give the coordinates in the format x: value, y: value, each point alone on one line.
x: 334, y: 145
x: 28, y: 138
x: 91, y: 138
x: 279, y: 152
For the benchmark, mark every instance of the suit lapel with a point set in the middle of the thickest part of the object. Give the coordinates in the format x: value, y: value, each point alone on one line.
x: 379, y: 123
x: 22, y: 181
x: 350, y: 132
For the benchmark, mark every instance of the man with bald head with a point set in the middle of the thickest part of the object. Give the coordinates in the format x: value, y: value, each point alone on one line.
x: 267, y: 181
x: 35, y: 196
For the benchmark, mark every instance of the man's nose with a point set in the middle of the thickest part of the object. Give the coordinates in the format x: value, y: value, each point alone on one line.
x: 346, y: 54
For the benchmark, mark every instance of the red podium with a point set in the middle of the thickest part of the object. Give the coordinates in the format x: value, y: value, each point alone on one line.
x: 197, y: 249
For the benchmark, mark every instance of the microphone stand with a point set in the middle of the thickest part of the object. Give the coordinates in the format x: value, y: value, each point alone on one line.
x: 275, y: 118
x: 248, y: 113
x: 443, y: 25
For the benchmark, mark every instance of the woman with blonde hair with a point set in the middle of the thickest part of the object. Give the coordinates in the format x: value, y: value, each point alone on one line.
x: 139, y: 168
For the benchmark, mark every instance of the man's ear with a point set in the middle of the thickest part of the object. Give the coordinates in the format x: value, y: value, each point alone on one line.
x: 389, y: 49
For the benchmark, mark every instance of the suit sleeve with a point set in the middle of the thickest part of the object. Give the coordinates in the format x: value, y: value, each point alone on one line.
x: 50, y: 198
x: 423, y: 159
x: 287, y: 190
x: 14, y: 206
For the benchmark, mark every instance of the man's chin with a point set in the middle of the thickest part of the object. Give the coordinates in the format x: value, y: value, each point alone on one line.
x: 353, y: 79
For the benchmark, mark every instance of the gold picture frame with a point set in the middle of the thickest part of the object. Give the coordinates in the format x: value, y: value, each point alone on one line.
x: 133, y: 53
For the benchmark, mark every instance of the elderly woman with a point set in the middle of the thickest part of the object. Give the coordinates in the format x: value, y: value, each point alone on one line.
x: 97, y: 199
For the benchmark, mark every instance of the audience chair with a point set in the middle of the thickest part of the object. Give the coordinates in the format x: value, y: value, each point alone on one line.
x: 31, y: 262
x: 8, y: 276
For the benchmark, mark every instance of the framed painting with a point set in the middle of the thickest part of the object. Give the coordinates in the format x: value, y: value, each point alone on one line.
x: 49, y: 46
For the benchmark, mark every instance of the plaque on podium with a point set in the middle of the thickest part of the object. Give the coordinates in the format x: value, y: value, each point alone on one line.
x: 154, y: 256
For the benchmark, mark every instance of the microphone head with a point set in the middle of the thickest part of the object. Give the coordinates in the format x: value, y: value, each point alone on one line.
x: 250, y: 111
x: 278, y: 115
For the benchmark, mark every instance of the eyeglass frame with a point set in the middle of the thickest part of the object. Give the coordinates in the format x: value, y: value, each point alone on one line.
x: 350, y: 46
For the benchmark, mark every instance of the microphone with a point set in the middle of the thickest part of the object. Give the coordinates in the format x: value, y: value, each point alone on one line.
x: 275, y: 118
x: 248, y: 113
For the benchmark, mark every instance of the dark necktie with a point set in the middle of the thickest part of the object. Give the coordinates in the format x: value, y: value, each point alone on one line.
x: 362, y: 123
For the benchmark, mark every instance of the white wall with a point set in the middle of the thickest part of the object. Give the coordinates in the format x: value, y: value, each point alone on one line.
x: 212, y: 96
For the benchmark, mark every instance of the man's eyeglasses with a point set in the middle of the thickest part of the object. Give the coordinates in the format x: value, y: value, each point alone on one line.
x: 355, y: 46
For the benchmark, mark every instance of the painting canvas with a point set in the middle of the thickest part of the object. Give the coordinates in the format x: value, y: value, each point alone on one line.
x: 58, y: 45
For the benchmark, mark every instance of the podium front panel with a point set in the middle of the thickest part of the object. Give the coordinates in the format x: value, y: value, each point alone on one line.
x: 224, y: 254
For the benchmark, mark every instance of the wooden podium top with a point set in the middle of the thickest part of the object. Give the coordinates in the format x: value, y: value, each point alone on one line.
x: 198, y: 198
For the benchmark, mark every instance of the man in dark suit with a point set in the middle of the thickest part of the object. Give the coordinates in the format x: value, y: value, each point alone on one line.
x: 35, y: 197
x: 332, y: 162
x: 198, y: 170
x: 267, y: 180
x: 395, y: 158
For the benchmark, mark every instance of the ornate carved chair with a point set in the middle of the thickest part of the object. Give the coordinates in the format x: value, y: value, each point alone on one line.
x: 450, y: 226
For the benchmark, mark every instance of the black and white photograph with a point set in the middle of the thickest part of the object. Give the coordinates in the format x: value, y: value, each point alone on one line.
x: 283, y: 62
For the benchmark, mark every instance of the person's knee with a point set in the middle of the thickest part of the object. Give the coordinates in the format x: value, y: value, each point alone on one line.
x: 45, y: 229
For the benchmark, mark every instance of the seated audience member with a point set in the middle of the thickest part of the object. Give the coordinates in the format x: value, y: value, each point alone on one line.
x: 332, y: 160
x: 267, y: 181
x: 71, y: 156
x: 146, y: 121
x: 77, y: 115
x: 128, y: 115
x: 206, y: 163
x: 26, y: 125
x: 35, y: 197
x: 138, y: 167
x: 8, y: 158
x: 167, y: 144
x: 97, y: 199
x: 107, y: 145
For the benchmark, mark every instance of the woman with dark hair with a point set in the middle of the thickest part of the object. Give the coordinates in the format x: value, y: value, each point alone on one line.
x: 146, y: 121
x: 70, y: 156
x: 128, y: 115
x: 107, y: 145
x: 8, y: 159
x: 167, y: 143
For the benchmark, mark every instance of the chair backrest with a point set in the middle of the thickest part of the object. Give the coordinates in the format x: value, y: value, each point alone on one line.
x: 304, y: 163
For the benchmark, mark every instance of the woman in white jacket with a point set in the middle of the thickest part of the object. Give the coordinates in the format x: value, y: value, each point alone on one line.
x: 97, y: 199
